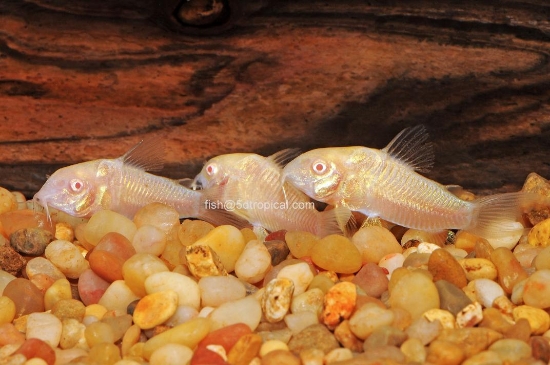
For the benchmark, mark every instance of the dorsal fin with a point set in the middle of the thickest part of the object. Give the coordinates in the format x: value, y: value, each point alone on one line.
x: 147, y: 155
x: 411, y: 148
x: 283, y: 157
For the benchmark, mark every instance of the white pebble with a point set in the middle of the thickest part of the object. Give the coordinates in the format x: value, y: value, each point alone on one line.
x: 117, y: 297
x: 300, y: 274
x: 296, y: 322
x: 511, y: 239
x: 44, y: 326
x: 149, y: 239
x: 67, y: 258
x: 368, y: 318
x: 253, y: 263
x: 426, y: 247
x: 183, y: 314
x: 187, y: 289
x: 171, y: 354
x: 246, y: 310
x: 216, y: 290
x: 391, y: 262
x: 487, y: 291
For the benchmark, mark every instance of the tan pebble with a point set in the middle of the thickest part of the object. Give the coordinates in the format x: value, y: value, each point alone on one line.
x: 321, y: 282
x: 535, y: 183
x: 276, y: 299
x: 542, y: 260
x: 444, y: 266
x: 72, y: 334
x: 409, y: 289
x: 540, y: 234
x: 246, y: 349
x: 445, y: 353
x: 312, y: 357
x: 7, y: 310
x: 495, y: 320
x: 511, y: 350
x: 339, y: 303
x: 8, y: 202
x: 476, y: 268
x: 310, y: 301
x: 467, y: 241
x: 414, y: 350
x: 296, y: 322
x: 445, y: 317
x: 374, y: 243
x: 336, y: 253
x: 471, y: 315
x: 300, y: 274
x: 536, y: 290
x: 300, y: 243
x: 155, y: 309
x: 203, y: 261
x: 472, y: 339
x: 338, y: 355
x: 426, y: 247
x: 189, y: 231
x: 504, y: 305
x: 272, y: 345
x: 369, y: 317
x: 484, y: 358
x: 228, y: 243
x: 280, y: 357
x: 96, y: 310
x: 64, y: 231
x: 331, y: 275
x: 60, y: 289
x: 344, y: 335
x: 521, y: 330
x: 508, y: 267
x: 538, y: 318
x: 130, y: 338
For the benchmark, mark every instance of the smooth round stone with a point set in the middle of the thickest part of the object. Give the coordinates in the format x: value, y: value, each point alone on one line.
x: 7, y: 310
x: 105, y: 221
x: 91, y: 287
x: 245, y: 349
x: 521, y: 330
x: 246, y: 310
x: 25, y: 218
x: 171, y: 353
x: 414, y: 350
x: 138, y: 268
x: 99, y: 332
x: 104, y: 353
x: 336, y: 253
x: 375, y: 242
x: 346, y: 338
x: 510, y: 239
x: 159, y: 215
x: 272, y: 345
x: 26, y: 296
x: 60, y: 289
x: 5, y: 278
x: 495, y: 320
x: 539, y: 235
x: 526, y: 254
x: 154, y: 309
x: 451, y: 297
x: 278, y: 251
x: 508, y: 267
x: 368, y: 318
x: 321, y: 282
x: 72, y: 334
x: 7, y: 201
x: 117, y: 297
x: 540, y: 348
x: 11, y: 261
x: 542, y: 260
x: 219, y: 342
x: 409, y: 288
x: 69, y: 308
x: 511, y: 350
x: 299, y: 273
x: 10, y: 335
x: 339, y: 303
x: 487, y: 291
x: 188, y: 334
x: 536, y: 292
x: 119, y: 324
x: 36, y: 348
x: 254, y: 262
x: 280, y: 357
x: 471, y: 339
x: 190, y: 231
x: 443, y: 352
x: 391, y: 262
x: 372, y: 279
x: 30, y: 241
x: 276, y: 299
x: 149, y: 239
x: 183, y: 314
x: 316, y: 336
x: 539, y: 320
x: 187, y: 289
x: 64, y: 231
x: 484, y: 358
x: 41, y: 265
x: 216, y: 290
x: 228, y: 243
x: 309, y: 301
x: 476, y: 268
x: 45, y: 327
x: 444, y: 266
x: 296, y: 322
x: 300, y: 243
x: 385, y: 336
x: 483, y: 249
x: 67, y: 258
x: 109, y: 255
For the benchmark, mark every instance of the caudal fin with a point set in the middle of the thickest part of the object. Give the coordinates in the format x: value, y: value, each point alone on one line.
x: 497, y: 216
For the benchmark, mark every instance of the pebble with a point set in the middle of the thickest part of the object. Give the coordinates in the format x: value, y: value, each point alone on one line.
x: 414, y: 350
x: 60, y: 289
x: 445, y: 353
x: 521, y: 330
x: 409, y: 288
x: 384, y: 336
x: 312, y: 357
x: 64, y: 231
x: 444, y: 266
x: 316, y: 336
x: 337, y: 355
x: 299, y: 273
x: 471, y: 339
x: 228, y: 243
x: 98, y: 332
x: 322, y: 282
x: 117, y: 297
x: 345, y: 336
x: 159, y: 215
x: 369, y: 317
x: 300, y: 243
x: 446, y: 318
x: 10, y: 261
x: 539, y: 235
x: 438, y: 238
x: 536, y: 292
x: 276, y: 299
x: 539, y: 320
x: 10, y: 335
x: 30, y: 241
x: 296, y: 322
x: 375, y: 242
x: 526, y: 254
x: 67, y: 258
x: 7, y: 310
x: 278, y: 251
x: 7, y: 201
x: 72, y: 334
x: 189, y: 231
x: 272, y: 345
x: 336, y: 253
x: 41, y: 265
x: 171, y: 353
x: 36, y: 348
x: 477, y: 268
x: 470, y: 316
x: 540, y: 348
x: 216, y: 290
x: 24, y: 218
x: 104, y: 353
x: 309, y: 301
x: 508, y: 267
x: 483, y: 358
x: 254, y: 262
x: 25, y: 295
x: 451, y: 297
x: 154, y: 309
x: 109, y: 255
x: 45, y: 327
x: 245, y: 349
x: 246, y: 310
x: 535, y: 183
x: 91, y: 287
x: 215, y: 346
x: 424, y: 330
x: 391, y: 262
x: 542, y: 260
x: 511, y: 350
x: 339, y: 303
x: 510, y: 239
x: 486, y: 291
x: 138, y: 268
x: 149, y: 239
x: 280, y: 357
x: 203, y: 261
x: 187, y: 289
x: 106, y: 221
x: 372, y: 279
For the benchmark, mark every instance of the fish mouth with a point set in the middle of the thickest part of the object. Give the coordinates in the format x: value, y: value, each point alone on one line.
x: 196, y: 184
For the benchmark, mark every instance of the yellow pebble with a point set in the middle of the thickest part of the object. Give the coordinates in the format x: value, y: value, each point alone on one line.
x: 540, y: 234
x: 36, y: 361
x: 96, y: 310
x: 539, y: 320
x: 446, y: 318
x: 271, y: 345
x: 64, y: 231
x: 60, y: 289
x: 7, y: 310
x: 155, y: 308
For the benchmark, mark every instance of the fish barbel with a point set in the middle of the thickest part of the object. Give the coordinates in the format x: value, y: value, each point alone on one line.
x: 122, y: 185
x: 252, y: 185
x: 385, y: 183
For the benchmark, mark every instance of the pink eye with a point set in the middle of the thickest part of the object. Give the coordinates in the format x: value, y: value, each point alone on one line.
x: 319, y: 167
x: 76, y: 185
x: 211, y: 169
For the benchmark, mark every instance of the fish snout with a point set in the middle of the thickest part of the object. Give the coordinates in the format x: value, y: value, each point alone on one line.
x: 196, y: 184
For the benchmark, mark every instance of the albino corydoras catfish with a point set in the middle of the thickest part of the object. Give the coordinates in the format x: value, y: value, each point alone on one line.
x: 123, y: 185
x: 250, y: 186
x: 385, y: 183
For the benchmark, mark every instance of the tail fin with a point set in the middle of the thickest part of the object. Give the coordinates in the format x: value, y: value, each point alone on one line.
x: 497, y: 215
x: 335, y: 221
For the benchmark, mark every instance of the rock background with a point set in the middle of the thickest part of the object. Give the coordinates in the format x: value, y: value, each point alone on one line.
x: 83, y: 80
